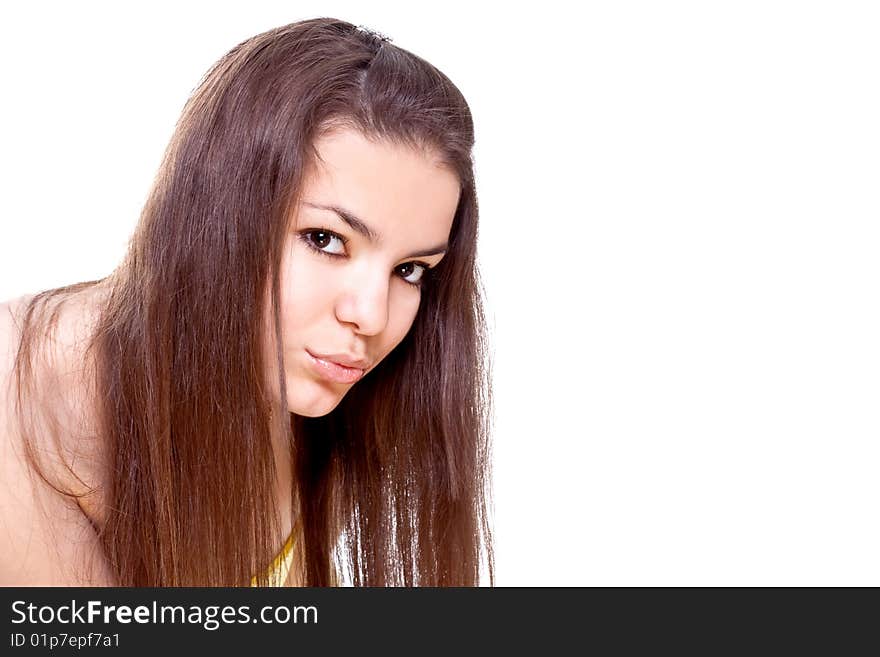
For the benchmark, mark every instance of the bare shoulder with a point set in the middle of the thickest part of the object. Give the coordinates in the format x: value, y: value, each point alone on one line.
x: 45, y: 538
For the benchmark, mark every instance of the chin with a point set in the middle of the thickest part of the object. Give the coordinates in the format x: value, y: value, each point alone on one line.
x: 316, y: 406
x: 310, y: 412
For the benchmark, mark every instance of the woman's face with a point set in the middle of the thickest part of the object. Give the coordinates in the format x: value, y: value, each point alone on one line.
x: 350, y: 288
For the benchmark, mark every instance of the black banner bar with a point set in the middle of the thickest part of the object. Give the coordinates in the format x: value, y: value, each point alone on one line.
x: 413, y: 621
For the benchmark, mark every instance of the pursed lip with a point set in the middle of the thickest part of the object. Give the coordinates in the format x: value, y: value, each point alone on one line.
x: 345, y: 360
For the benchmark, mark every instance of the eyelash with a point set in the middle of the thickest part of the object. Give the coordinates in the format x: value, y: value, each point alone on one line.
x: 304, y: 236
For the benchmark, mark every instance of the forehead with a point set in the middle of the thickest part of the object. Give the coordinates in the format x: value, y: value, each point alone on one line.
x: 383, y: 182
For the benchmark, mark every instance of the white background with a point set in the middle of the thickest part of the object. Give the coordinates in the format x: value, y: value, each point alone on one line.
x: 679, y: 238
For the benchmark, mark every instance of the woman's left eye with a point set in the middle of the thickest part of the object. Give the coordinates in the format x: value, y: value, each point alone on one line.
x: 414, y: 268
x: 413, y: 273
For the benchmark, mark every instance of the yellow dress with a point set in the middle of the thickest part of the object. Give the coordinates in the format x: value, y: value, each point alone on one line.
x: 280, y: 567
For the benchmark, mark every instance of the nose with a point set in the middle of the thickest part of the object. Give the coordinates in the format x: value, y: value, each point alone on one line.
x: 364, y: 301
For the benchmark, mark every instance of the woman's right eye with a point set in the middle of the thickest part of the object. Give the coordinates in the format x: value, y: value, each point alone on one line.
x: 319, y: 240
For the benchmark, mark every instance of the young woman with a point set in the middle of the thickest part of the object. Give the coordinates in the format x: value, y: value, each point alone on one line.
x: 286, y: 381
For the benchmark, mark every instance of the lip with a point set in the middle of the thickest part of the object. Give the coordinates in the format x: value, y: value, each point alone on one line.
x: 342, y: 359
x: 333, y: 371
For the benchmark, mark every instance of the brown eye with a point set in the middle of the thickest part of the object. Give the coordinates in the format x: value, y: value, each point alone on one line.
x: 413, y: 269
x: 319, y: 240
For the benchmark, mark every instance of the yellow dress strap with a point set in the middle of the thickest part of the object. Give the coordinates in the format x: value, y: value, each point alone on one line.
x: 280, y: 567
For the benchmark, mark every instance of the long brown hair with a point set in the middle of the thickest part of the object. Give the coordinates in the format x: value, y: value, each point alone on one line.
x: 390, y: 488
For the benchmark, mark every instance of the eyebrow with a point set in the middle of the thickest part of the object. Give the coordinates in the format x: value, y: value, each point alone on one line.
x: 361, y: 227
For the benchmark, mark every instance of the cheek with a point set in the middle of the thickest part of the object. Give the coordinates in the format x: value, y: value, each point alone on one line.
x: 400, y: 321
x: 303, y: 294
